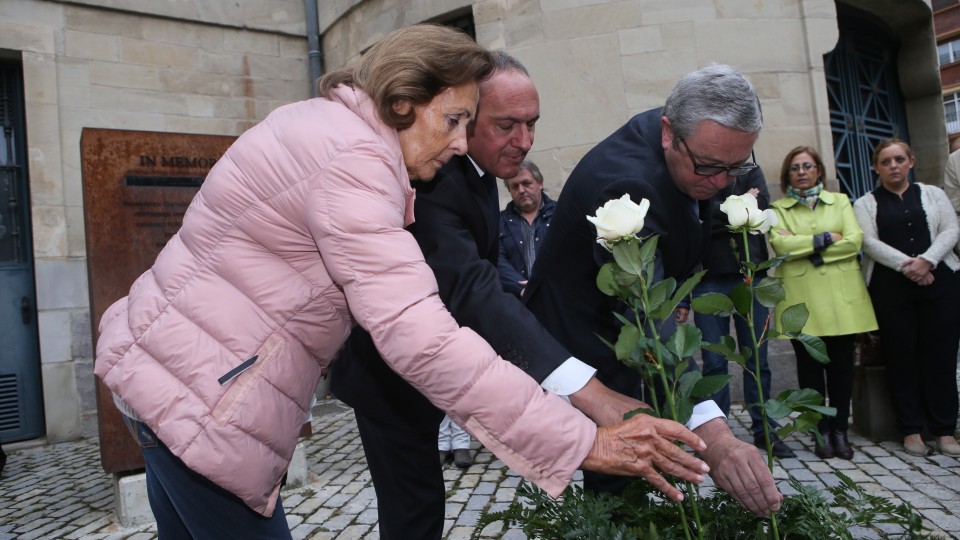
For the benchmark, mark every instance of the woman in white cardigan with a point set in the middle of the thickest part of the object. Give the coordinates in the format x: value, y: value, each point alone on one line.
x: 909, y: 230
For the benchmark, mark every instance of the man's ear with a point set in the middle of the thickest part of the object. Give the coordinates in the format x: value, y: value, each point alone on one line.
x: 402, y: 106
x: 666, y: 132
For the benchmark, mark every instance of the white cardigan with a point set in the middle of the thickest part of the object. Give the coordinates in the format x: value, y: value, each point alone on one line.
x: 941, y: 221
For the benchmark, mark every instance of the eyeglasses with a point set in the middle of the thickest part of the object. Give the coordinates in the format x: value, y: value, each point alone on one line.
x: 795, y: 168
x: 713, y: 170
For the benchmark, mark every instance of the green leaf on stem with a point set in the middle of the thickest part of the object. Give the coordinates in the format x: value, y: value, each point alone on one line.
x: 642, y: 410
x: 687, y: 382
x: 685, y: 341
x: 793, y: 319
x: 710, y: 385
x: 777, y: 409
x: 805, y: 422
x: 628, y: 257
x: 713, y: 304
x: 627, y: 342
x: 687, y: 287
x: 770, y: 291
x: 805, y: 399
x: 648, y: 249
x: 681, y: 368
x: 657, y: 295
x: 606, y: 281
x: 684, y: 409
x: 815, y: 347
x: 627, y: 281
x: 742, y: 298
x: 772, y: 263
x: 726, y: 346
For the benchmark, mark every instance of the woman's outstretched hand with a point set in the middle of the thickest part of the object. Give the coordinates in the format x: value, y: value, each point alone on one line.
x: 644, y: 446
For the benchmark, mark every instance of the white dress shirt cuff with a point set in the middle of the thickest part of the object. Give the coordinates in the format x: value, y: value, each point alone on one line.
x: 703, y: 412
x: 570, y: 377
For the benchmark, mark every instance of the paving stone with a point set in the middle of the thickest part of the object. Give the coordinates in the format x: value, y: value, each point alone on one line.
x: 59, y: 491
x: 892, y: 482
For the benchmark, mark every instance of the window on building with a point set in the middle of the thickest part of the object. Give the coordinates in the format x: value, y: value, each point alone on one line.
x: 949, y: 52
x: 951, y: 107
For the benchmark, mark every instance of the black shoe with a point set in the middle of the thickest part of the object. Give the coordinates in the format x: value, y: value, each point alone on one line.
x: 445, y: 456
x: 780, y: 448
x: 841, y: 446
x: 824, y: 451
x: 462, y: 458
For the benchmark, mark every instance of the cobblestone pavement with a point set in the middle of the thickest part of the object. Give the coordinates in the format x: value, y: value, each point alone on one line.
x: 60, y: 491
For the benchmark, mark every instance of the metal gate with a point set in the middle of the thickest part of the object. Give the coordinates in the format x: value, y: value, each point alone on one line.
x: 865, y: 102
x: 21, y: 399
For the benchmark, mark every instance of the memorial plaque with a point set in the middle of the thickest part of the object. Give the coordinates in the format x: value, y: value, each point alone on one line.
x: 136, y: 187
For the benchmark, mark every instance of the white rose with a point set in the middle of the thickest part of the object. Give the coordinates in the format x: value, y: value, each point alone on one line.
x: 618, y: 219
x: 768, y: 221
x: 742, y: 212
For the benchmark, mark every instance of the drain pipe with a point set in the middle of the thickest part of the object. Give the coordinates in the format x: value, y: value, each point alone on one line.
x: 314, y: 53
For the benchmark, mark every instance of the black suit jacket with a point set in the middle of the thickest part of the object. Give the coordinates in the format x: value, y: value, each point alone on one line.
x: 457, y: 228
x: 562, y: 291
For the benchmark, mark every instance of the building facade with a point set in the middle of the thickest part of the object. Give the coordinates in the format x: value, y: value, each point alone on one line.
x: 837, y: 75
x: 946, y: 22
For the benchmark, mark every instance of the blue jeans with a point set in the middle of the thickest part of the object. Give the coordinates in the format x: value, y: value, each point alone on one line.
x: 713, y: 328
x: 186, y: 505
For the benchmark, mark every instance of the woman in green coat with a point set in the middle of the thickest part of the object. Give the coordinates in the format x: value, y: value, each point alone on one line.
x: 819, y: 231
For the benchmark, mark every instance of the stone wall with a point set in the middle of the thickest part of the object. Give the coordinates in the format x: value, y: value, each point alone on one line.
x: 163, y: 65
x: 597, y: 62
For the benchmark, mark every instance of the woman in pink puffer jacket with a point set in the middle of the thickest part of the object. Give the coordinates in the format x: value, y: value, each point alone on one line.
x: 296, y: 235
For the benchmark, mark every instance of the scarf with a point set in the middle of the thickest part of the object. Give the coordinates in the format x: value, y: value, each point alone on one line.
x: 807, y: 197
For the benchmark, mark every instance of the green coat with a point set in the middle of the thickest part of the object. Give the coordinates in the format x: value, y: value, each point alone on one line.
x: 834, y: 292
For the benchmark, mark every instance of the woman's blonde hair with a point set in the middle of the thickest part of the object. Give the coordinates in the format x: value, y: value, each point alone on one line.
x: 414, y: 63
x: 890, y: 142
x: 785, y: 168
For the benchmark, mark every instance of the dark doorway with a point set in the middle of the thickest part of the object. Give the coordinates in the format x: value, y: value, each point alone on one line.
x: 21, y: 397
x: 866, y: 105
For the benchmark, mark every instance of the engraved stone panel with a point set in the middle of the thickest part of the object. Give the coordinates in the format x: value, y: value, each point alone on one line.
x: 136, y: 187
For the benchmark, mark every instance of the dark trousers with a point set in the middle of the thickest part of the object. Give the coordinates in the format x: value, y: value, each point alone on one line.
x: 714, y: 328
x: 834, y: 380
x: 919, y: 335
x: 188, y: 506
x: 407, y: 476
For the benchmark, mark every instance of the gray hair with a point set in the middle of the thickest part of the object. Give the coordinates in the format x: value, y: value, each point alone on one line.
x: 504, y: 61
x: 718, y: 93
x: 528, y: 166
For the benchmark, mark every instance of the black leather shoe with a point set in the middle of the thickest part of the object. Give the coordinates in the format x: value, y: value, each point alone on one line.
x: 826, y: 450
x: 445, y: 456
x: 462, y: 458
x: 780, y: 448
x: 841, y: 446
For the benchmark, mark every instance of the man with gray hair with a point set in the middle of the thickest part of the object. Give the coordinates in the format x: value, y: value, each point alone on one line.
x: 677, y: 157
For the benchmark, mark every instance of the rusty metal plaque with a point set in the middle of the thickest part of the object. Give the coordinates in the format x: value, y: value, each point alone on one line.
x: 136, y: 187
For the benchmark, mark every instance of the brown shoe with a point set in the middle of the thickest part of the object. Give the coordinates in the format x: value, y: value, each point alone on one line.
x: 841, y: 446
x: 462, y: 457
x: 824, y: 451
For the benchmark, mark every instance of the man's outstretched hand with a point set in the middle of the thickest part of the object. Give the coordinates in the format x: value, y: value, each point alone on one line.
x: 738, y: 468
x: 644, y: 446
x: 603, y: 405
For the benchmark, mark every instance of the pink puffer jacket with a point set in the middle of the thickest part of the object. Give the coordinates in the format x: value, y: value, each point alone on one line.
x: 296, y: 235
